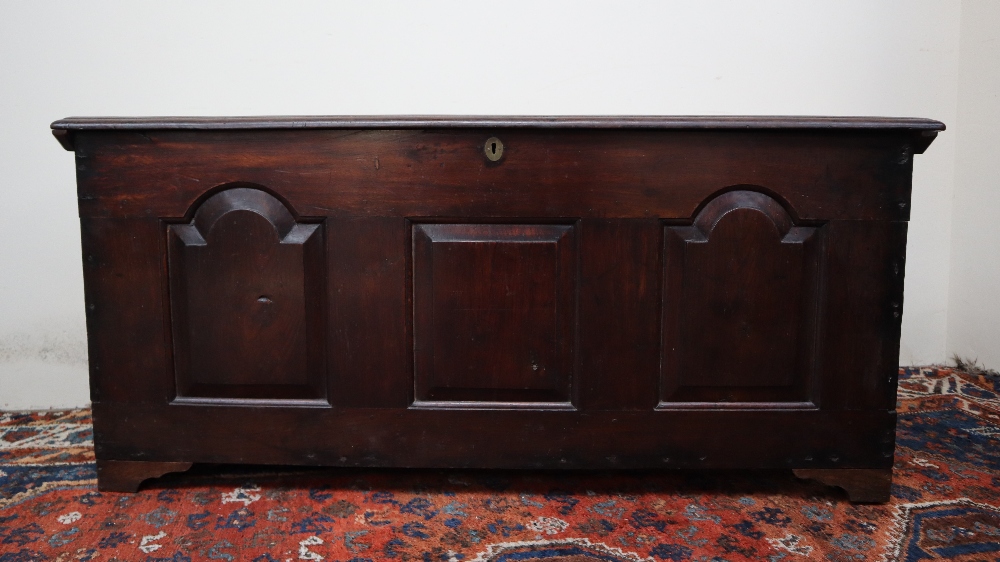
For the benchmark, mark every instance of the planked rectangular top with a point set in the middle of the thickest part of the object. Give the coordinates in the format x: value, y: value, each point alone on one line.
x: 567, y: 121
x: 927, y: 128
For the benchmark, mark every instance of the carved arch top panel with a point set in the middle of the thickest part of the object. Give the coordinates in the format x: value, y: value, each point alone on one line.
x: 246, y: 296
x: 742, y: 303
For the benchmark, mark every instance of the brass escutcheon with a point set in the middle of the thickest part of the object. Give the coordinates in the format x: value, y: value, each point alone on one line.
x: 493, y: 149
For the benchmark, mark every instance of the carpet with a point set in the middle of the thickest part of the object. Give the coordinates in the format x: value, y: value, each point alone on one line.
x: 945, y: 504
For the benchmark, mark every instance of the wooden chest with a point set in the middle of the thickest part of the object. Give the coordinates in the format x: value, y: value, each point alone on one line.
x: 564, y: 292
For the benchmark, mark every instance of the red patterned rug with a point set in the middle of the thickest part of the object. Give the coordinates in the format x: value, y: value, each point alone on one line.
x: 945, y: 505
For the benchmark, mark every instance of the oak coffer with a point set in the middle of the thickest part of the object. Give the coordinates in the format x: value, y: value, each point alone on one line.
x: 496, y: 292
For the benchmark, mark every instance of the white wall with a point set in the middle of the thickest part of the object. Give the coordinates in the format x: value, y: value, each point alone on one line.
x: 974, y: 303
x: 58, y: 59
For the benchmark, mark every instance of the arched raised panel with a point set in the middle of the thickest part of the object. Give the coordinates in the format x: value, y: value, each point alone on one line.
x: 741, y: 305
x: 246, y: 296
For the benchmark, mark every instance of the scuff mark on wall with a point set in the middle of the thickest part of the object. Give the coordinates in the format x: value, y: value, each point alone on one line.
x: 47, y: 344
x: 43, y: 365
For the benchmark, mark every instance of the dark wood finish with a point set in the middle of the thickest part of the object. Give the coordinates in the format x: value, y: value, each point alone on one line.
x: 865, y: 263
x: 619, y: 326
x: 369, y: 340
x: 247, y: 295
x: 64, y: 137
x: 126, y: 305
x: 611, y: 293
x: 494, y: 314
x: 863, y: 485
x: 742, y: 306
x: 544, y: 173
x: 926, y: 129
x: 127, y: 476
x: 498, y: 438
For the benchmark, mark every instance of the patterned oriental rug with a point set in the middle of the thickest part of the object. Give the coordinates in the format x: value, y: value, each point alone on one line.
x: 945, y: 505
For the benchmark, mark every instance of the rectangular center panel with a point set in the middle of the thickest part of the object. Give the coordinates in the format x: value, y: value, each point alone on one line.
x: 494, y: 315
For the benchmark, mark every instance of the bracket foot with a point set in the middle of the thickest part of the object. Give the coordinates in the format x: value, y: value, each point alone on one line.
x: 863, y: 485
x: 126, y: 476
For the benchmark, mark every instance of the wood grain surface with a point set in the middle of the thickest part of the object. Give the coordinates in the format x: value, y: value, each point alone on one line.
x: 620, y: 292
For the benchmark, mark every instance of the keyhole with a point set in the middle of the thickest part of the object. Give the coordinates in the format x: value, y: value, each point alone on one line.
x: 493, y: 149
